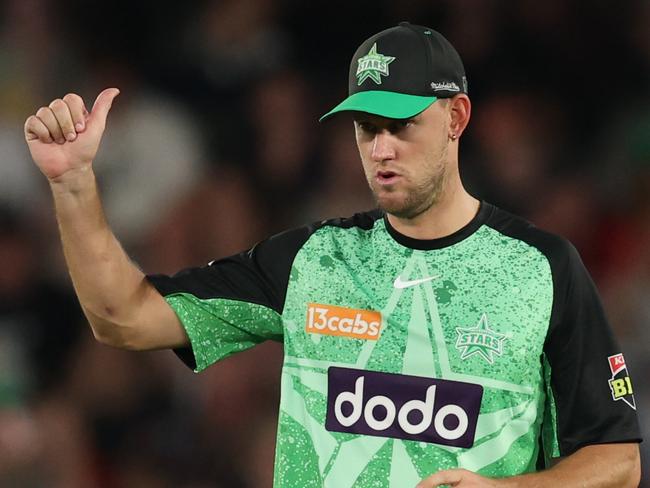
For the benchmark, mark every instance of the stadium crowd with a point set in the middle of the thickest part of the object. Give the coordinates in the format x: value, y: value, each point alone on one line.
x: 214, y: 144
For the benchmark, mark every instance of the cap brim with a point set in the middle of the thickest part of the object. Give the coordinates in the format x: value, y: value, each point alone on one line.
x: 386, y: 104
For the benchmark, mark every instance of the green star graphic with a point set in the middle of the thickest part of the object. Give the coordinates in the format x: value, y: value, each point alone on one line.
x: 373, y: 65
x: 479, y: 340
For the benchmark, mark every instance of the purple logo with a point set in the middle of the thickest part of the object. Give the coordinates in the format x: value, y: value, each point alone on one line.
x: 403, y: 407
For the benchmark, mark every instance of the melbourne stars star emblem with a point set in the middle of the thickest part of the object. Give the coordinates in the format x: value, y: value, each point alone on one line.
x: 373, y: 65
x: 479, y: 340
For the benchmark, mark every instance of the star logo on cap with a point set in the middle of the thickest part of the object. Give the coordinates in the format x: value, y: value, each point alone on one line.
x: 373, y: 65
x: 479, y: 340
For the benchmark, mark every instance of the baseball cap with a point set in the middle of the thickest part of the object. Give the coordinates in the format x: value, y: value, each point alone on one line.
x: 400, y: 71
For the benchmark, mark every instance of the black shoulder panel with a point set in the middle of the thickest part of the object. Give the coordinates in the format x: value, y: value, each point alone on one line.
x: 578, y: 346
x: 555, y: 248
x: 259, y: 275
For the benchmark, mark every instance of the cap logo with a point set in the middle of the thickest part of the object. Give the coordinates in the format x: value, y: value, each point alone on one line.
x: 373, y: 65
x: 445, y: 85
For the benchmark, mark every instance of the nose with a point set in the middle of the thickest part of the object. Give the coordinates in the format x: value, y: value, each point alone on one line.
x: 383, y: 148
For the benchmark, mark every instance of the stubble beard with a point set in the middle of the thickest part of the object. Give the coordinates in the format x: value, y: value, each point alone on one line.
x: 422, y: 195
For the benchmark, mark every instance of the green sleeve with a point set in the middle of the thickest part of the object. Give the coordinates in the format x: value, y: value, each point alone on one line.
x: 219, y: 327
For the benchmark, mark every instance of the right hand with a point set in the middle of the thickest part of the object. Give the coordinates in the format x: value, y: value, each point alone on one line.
x: 64, y: 136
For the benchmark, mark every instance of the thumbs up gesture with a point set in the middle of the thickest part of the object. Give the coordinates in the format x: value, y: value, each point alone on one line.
x: 64, y: 136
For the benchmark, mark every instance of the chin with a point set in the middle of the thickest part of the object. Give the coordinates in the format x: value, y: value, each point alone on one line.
x: 401, y: 207
x: 397, y: 207
x: 402, y: 212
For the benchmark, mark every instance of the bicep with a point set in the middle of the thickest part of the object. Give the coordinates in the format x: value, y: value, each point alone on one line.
x: 225, y: 307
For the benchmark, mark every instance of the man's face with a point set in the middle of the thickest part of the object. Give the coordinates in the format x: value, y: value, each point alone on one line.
x: 405, y: 160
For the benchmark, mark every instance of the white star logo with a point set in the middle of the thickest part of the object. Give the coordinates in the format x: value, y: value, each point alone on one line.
x: 479, y: 340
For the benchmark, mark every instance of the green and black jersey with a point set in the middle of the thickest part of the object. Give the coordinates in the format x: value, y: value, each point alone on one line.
x: 487, y: 349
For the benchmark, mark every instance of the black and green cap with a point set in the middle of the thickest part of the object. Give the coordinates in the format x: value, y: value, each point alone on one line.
x: 400, y: 71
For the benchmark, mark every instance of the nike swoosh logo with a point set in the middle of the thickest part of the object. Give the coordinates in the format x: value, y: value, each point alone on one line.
x: 405, y: 284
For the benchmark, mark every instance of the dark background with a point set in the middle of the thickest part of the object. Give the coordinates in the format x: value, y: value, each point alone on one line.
x: 214, y: 144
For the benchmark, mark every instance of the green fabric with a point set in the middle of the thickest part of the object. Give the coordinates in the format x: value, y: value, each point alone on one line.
x: 420, y: 329
x: 488, y: 282
x: 218, y: 327
x: 549, y: 435
x: 387, y: 104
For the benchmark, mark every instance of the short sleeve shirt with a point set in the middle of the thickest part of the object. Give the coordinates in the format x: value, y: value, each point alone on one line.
x: 486, y: 350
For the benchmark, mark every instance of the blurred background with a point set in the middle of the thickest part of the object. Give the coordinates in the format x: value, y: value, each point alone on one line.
x: 214, y: 144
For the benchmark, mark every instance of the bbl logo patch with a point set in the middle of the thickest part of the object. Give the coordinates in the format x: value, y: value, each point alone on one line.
x: 620, y: 383
x: 372, y: 66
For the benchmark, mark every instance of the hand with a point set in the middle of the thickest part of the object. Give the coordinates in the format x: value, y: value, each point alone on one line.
x: 459, y: 478
x: 64, y: 136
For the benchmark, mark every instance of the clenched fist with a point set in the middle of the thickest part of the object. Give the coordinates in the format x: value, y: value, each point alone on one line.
x: 64, y: 136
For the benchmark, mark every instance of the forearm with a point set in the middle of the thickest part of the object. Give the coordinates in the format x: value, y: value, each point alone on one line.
x: 108, y: 284
x: 597, y: 466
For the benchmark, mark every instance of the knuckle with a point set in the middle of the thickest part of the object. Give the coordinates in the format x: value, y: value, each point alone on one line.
x: 72, y: 98
x: 57, y: 103
x: 29, y: 123
x: 43, y: 111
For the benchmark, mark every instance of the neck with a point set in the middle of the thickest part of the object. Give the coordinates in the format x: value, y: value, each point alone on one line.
x: 454, y: 210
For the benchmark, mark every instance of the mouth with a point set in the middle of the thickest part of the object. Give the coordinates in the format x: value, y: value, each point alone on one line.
x: 386, y: 177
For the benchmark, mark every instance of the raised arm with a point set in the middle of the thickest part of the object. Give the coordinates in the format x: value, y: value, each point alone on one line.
x: 122, y: 307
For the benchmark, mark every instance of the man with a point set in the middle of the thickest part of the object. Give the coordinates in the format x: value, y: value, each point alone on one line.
x: 435, y: 341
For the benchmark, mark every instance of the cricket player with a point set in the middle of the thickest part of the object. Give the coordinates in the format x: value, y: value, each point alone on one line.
x: 437, y: 340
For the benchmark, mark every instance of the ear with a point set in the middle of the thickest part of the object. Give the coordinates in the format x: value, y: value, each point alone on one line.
x: 460, y: 109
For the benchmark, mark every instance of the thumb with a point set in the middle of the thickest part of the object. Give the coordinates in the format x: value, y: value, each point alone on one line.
x: 103, y: 104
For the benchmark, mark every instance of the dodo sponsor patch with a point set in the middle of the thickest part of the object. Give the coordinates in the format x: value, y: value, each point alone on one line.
x: 402, y: 406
